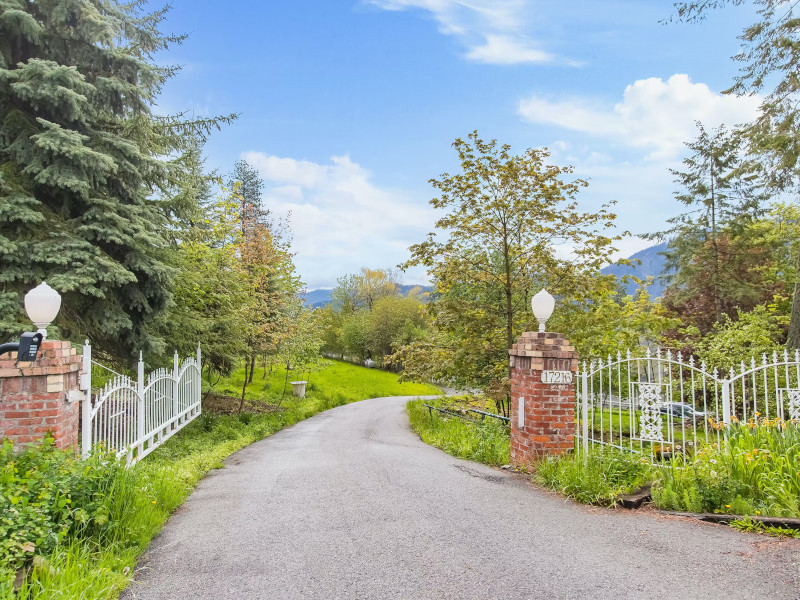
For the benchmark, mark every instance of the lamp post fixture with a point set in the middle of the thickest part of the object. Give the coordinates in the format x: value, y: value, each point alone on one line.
x: 42, y: 304
x: 542, y: 304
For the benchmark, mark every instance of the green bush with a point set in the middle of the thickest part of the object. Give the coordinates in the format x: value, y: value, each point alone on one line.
x: 598, y: 477
x: 46, y: 495
x: 756, y: 472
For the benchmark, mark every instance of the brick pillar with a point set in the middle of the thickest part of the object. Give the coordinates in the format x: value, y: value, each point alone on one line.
x: 548, y: 412
x: 33, y: 396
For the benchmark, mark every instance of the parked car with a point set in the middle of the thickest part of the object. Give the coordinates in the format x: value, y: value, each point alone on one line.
x: 681, y: 410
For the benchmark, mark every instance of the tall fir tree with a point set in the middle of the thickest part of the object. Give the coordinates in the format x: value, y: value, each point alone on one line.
x: 252, y: 212
x: 769, y: 59
x: 82, y: 161
x: 711, y: 261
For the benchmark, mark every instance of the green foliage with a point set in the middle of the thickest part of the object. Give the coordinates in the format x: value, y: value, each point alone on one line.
x: 81, y: 155
x: 714, y: 266
x: 605, y: 322
x: 482, y: 441
x: 394, y: 321
x: 757, y: 471
x: 769, y: 62
x: 47, y: 495
x: 350, y: 381
x: 507, y: 216
x: 596, y: 478
x: 368, y: 318
x: 363, y: 290
x: 729, y: 342
x: 751, y: 526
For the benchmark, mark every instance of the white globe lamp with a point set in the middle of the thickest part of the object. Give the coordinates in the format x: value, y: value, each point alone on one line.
x: 42, y: 304
x: 542, y: 304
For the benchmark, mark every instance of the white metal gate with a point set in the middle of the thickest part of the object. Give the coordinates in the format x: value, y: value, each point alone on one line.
x: 656, y: 402
x: 133, y: 418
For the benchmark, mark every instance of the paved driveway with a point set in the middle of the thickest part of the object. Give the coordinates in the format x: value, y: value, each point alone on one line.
x: 351, y: 504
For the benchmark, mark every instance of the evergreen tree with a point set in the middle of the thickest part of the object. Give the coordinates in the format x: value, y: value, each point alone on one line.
x: 82, y: 161
x: 770, y: 59
x: 251, y: 209
x: 710, y: 257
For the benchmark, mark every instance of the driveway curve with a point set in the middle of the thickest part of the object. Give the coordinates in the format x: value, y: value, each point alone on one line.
x: 351, y: 504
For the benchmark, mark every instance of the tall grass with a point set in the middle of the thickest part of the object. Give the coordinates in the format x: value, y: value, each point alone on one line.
x: 755, y: 472
x: 487, y: 442
x: 598, y: 477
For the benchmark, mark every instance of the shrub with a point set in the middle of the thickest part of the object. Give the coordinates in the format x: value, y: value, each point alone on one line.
x: 756, y: 471
x: 597, y: 478
x: 46, y: 495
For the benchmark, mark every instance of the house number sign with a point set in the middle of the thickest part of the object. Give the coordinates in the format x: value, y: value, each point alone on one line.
x: 556, y: 376
x: 557, y: 371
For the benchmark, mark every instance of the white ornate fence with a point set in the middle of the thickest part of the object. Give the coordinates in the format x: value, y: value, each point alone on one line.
x: 134, y: 417
x: 659, y: 403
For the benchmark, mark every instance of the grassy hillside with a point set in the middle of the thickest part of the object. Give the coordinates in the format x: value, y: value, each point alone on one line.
x: 336, y: 379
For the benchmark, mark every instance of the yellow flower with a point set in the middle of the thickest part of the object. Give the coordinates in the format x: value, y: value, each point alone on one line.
x: 758, y: 512
x: 727, y: 506
x: 153, y: 502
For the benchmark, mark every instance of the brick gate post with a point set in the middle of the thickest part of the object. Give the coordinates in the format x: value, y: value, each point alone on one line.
x: 33, y: 396
x: 543, y: 371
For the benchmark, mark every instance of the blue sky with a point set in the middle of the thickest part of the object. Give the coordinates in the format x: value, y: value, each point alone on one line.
x: 348, y: 107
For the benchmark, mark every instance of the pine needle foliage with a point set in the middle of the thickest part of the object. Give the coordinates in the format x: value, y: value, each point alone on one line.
x: 85, y: 167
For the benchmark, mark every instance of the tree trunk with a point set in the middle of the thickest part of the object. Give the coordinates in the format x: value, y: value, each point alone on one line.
x: 285, y: 381
x: 252, y: 367
x: 715, y: 246
x: 244, y: 386
x: 793, y: 340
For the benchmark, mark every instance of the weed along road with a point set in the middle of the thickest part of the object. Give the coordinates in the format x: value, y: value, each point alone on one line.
x: 351, y: 504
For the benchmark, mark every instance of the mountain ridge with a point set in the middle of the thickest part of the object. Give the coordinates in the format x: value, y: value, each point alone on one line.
x: 652, y: 264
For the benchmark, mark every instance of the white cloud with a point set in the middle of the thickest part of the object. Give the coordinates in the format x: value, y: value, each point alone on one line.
x: 654, y: 114
x: 340, y: 220
x: 492, y: 30
x: 507, y: 50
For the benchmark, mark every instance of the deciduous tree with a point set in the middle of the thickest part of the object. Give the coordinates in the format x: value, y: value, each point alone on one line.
x: 512, y: 225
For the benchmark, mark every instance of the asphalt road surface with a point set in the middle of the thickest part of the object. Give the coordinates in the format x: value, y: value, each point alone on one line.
x: 351, y: 504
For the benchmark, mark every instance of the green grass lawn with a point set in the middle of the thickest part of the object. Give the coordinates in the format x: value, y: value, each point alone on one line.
x: 335, y: 378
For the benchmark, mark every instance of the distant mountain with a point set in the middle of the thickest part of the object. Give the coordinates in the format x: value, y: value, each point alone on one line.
x: 317, y: 298
x: 322, y: 297
x: 652, y: 265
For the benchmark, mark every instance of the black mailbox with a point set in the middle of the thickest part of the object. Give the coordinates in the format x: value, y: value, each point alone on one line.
x: 27, y: 348
x: 29, y: 344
